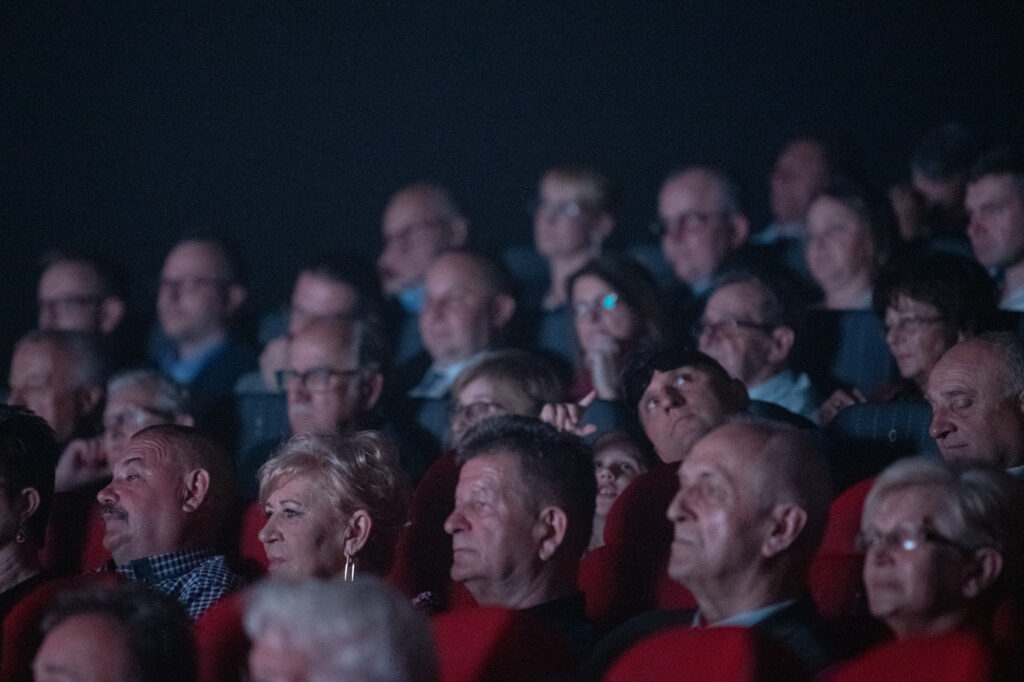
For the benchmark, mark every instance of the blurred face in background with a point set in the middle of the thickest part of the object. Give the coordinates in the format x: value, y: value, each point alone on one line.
x: 839, y: 246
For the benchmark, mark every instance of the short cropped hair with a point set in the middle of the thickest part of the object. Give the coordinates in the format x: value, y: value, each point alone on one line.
x: 944, y: 152
x: 157, y: 632
x: 731, y: 199
x: 958, y: 287
x: 189, y: 448
x: 599, y: 189
x: 633, y: 284
x: 1010, y: 346
x: 79, y: 347
x: 980, y: 505
x: 773, y: 309
x: 344, y: 630
x: 28, y: 459
x: 356, y: 471
x: 109, y: 276
x: 1000, y: 161
x: 526, y: 381
x: 491, y: 272
x: 231, y: 267
x: 168, y: 395
x: 556, y: 468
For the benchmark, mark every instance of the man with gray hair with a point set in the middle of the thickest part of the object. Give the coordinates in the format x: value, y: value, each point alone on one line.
x: 59, y: 375
x: 321, y: 631
x: 976, y: 391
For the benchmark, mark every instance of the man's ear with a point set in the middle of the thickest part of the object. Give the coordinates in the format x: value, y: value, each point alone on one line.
x: 358, y: 531
x: 503, y: 307
x: 111, y: 313
x: 197, y: 484
x: 236, y: 295
x: 371, y: 386
x: 88, y: 398
x: 782, y: 342
x: 787, y: 522
x: 985, y: 569
x: 739, y: 230
x: 26, y: 504
x: 549, y: 531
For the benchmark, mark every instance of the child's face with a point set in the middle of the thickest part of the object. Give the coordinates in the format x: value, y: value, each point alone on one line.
x: 615, y: 465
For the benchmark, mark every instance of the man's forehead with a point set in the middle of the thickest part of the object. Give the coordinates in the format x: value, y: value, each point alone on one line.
x: 194, y: 258
x: 967, y: 367
x: 497, y: 467
x: 146, y: 451
x: 727, y: 450
x: 735, y: 298
x: 664, y: 376
x: 68, y: 275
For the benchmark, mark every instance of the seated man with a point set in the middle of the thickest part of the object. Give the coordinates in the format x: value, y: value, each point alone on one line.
x: 995, y: 204
x: 802, y: 168
x: 746, y: 328
x: 320, y: 630
x: 80, y: 293
x: 163, y: 513
x: 524, y: 506
x: 468, y: 305
x: 200, y: 293
x: 125, y: 633
x: 748, y: 517
x: 976, y: 391
x: 59, y: 376
x: 421, y: 221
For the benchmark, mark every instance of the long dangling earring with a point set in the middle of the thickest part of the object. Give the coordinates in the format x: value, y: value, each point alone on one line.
x: 350, y: 568
x: 20, y: 537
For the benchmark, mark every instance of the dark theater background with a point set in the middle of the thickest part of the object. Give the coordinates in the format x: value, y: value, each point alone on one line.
x: 285, y: 125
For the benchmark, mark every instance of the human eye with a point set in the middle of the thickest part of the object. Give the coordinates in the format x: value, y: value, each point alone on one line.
x: 650, y: 404
x: 681, y: 379
x: 960, y: 402
x: 291, y: 512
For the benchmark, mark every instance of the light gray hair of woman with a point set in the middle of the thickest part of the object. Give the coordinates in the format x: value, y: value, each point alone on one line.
x: 359, y: 631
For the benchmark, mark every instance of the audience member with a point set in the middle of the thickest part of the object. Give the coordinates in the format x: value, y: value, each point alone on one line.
x: 59, y: 376
x: 320, y: 631
x: 748, y: 330
x: 79, y: 293
x: 125, y: 633
x: 523, y: 511
x: 976, y: 391
x: 801, y: 170
x: 468, y: 305
x: 28, y: 454
x: 333, y: 505
x: 942, y: 546
x: 931, y: 206
x: 929, y: 303
x: 618, y: 459
x: 995, y: 204
x: 163, y: 512
x: 845, y: 244
x: 573, y: 215
x: 421, y: 220
x: 200, y: 294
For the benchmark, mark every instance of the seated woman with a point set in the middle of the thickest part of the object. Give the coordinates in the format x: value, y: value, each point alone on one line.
x: 942, y: 546
x: 28, y: 452
x: 845, y: 244
x: 618, y: 459
x: 929, y: 303
x: 333, y: 505
x: 615, y: 305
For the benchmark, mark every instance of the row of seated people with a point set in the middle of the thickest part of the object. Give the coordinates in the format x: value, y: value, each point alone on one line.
x: 749, y: 506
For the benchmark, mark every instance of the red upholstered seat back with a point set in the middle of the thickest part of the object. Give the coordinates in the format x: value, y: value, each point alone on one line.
x: 221, y: 643
x: 836, y: 580
x: 250, y: 549
x: 496, y: 644
x: 953, y: 657
x: 723, y: 654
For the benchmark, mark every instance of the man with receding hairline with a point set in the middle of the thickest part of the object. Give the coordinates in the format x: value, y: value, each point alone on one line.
x: 163, y: 511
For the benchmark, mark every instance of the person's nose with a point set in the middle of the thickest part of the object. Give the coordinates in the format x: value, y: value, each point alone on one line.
x: 108, y: 495
x: 604, y: 475
x: 455, y: 522
x: 941, y: 425
x: 677, y: 509
x: 268, y: 533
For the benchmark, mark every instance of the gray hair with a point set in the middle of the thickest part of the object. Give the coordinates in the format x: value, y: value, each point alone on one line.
x: 80, y: 347
x: 358, y: 631
x: 1010, y: 347
x: 168, y: 395
x: 726, y: 185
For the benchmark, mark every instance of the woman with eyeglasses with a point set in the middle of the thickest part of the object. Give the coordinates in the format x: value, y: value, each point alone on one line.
x: 941, y: 545
x: 929, y: 303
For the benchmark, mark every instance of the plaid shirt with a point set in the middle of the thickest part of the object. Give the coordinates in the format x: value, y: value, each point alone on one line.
x: 197, y: 579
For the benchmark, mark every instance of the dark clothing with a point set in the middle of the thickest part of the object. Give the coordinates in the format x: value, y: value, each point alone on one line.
x: 568, y: 616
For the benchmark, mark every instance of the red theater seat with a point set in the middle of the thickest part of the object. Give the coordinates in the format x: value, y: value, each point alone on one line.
x: 946, y: 658
x: 221, y: 644
x: 836, y: 581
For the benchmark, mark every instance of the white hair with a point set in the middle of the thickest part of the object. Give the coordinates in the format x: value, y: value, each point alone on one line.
x: 359, y: 631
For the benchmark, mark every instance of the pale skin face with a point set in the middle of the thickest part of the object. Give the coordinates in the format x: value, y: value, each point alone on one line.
x: 416, y: 228
x: 799, y: 172
x: 43, y: 380
x: 478, y: 400
x: 145, y: 507
x: 304, y: 535
x: 917, y: 337
x: 615, y: 466
x: 273, y: 659
x: 316, y: 297
x: 601, y: 328
x: 70, y: 298
x: 496, y: 539
x: 974, y: 417
x: 752, y: 355
x: 567, y: 224
x: 920, y: 591
x: 996, y: 208
x: 128, y: 411
x: 677, y: 408
x: 195, y: 302
x: 701, y: 233
x: 87, y: 647
x: 462, y: 314
x: 839, y: 247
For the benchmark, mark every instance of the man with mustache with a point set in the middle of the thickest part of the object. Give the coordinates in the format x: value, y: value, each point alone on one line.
x: 163, y: 511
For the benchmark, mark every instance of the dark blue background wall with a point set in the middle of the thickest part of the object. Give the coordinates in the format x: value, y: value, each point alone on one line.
x: 289, y: 123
